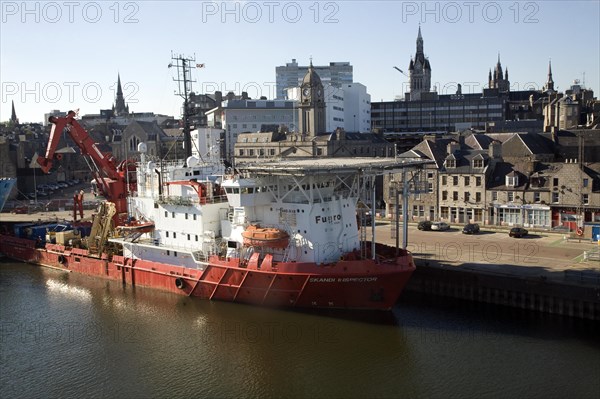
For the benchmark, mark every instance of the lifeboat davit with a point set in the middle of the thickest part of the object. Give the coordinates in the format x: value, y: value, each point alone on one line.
x: 265, y: 237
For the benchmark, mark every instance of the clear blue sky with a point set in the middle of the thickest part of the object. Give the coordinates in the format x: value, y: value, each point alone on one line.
x: 60, y: 56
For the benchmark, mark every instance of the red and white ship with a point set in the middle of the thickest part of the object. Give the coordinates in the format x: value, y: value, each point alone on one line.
x: 281, y: 234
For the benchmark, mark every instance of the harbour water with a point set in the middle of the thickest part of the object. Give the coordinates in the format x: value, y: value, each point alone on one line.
x: 66, y: 335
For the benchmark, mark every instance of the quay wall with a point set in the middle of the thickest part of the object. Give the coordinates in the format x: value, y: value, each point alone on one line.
x: 578, y: 295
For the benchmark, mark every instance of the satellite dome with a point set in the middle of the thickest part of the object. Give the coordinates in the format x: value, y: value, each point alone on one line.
x: 192, y: 161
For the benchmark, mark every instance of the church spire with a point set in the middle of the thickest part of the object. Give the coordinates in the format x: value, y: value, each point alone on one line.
x: 120, y: 108
x: 119, y: 89
x: 13, y: 115
x: 549, y: 87
x: 419, y: 45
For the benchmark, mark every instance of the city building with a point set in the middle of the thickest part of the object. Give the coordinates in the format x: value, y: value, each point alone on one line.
x: 124, y: 144
x: 247, y: 115
x: 291, y: 75
x: 503, y: 179
x: 419, y: 71
x: 357, y: 107
x: 424, y: 110
x: 310, y: 138
x: 120, y: 114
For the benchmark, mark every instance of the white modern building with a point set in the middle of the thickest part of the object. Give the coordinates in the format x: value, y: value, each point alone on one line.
x: 357, y: 108
x: 207, y: 143
x: 245, y: 116
x: 291, y: 75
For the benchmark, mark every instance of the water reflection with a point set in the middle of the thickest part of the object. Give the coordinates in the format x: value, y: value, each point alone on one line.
x: 68, y: 335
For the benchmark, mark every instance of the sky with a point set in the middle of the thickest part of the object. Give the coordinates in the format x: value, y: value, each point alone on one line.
x: 67, y: 54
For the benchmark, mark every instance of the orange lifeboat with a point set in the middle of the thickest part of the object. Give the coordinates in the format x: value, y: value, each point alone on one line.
x: 136, y: 226
x: 265, y: 237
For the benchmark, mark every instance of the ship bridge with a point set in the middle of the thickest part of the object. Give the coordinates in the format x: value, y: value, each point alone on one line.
x: 318, y: 180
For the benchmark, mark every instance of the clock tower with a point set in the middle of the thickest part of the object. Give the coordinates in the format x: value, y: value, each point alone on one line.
x: 311, y: 118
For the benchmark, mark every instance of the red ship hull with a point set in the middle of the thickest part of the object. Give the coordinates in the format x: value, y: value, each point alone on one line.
x: 347, y: 284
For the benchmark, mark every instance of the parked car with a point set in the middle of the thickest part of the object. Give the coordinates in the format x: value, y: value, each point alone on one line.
x: 424, y: 225
x: 367, y: 219
x: 471, y: 228
x: 439, y: 226
x: 518, y: 232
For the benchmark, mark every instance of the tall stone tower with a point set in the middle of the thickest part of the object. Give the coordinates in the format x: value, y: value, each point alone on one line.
x: 311, y: 118
x: 419, y: 72
x: 120, y: 108
x: 498, y: 80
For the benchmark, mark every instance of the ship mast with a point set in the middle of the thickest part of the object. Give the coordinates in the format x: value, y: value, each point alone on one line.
x: 184, y: 65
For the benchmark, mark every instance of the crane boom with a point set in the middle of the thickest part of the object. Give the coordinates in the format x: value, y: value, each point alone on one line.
x: 110, y: 177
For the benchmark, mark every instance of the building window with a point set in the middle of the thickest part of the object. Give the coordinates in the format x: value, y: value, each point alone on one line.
x: 555, y: 181
x: 555, y: 197
x: 467, y: 196
x: 194, y: 216
x: 189, y: 236
x: 467, y: 181
x: 196, y: 237
x: 451, y: 163
x: 512, y: 181
x: 173, y: 215
x: 241, y: 152
x: 536, y: 197
x: 444, y: 195
x: 430, y: 175
x: 586, y: 182
x: 174, y: 235
x: 166, y: 214
x: 133, y: 143
x: 455, y: 180
x: 478, y: 163
x: 494, y: 195
x: 167, y: 233
x: 478, y: 181
x: 430, y: 187
x: 585, y: 199
x: 511, y: 196
x: 478, y: 197
x: 186, y: 216
x: 444, y: 180
x: 455, y: 195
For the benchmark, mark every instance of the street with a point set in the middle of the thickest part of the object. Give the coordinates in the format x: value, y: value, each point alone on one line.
x: 493, y: 251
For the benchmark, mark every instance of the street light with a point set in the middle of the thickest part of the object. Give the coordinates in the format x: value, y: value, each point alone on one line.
x: 401, y: 71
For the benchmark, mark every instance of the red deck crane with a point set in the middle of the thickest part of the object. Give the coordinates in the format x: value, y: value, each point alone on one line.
x: 110, y: 178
